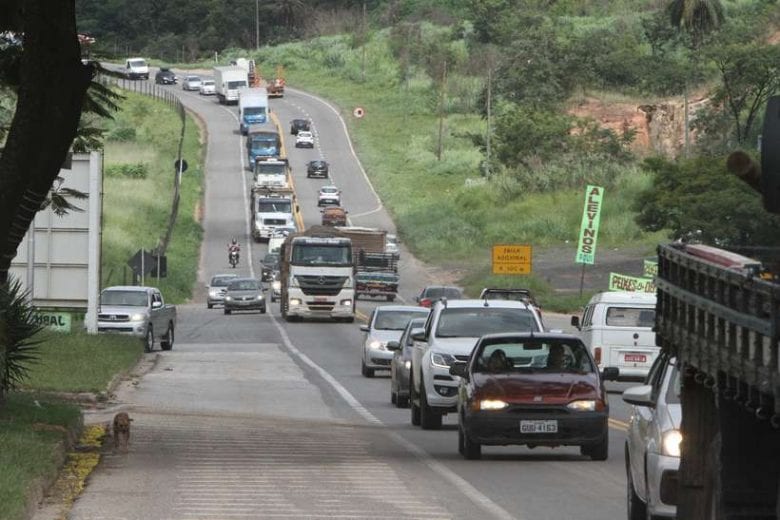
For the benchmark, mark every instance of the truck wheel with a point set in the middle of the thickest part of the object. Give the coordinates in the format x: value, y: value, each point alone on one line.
x: 149, y: 340
x: 429, y: 419
x: 167, y: 341
x: 599, y: 450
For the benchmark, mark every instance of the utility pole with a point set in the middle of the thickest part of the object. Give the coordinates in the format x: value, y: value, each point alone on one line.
x: 489, y: 121
x: 442, y: 98
x: 257, y: 25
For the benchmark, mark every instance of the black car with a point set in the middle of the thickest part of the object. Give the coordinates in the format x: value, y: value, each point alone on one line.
x: 297, y: 125
x: 317, y: 169
x: 269, y: 264
x: 165, y: 76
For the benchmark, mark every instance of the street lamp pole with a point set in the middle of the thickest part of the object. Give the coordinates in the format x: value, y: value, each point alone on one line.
x: 257, y: 25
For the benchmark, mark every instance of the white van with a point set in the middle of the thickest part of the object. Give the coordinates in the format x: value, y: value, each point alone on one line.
x: 617, y: 327
x: 136, y: 68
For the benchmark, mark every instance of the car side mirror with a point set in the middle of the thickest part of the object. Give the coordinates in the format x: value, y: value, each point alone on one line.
x: 156, y: 305
x: 393, y: 345
x: 459, y: 368
x: 640, y: 396
x: 575, y: 322
x: 610, y: 373
x: 364, y: 328
x: 418, y: 336
x: 417, y: 299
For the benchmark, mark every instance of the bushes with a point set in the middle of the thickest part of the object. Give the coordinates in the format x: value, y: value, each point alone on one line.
x: 133, y: 171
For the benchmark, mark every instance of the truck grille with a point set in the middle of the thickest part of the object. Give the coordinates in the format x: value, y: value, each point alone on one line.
x: 321, y: 285
x: 320, y: 306
x: 274, y: 222
x: 114, y: 318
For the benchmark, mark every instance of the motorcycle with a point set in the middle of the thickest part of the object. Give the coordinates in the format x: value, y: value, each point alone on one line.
x: 233, y: 259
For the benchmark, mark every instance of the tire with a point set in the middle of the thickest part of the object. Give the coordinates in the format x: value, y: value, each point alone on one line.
x: 391, y: 298
x: 393, y: 398
x: 351, y: 319
x: 461, y: 441
x: 599, y: 450
x: 209, y: 305
x: 262, y: 311
x: 228, y: 311
x: 167, y: 342
x: 429, y: 419
x: 401, y: 402
x: 367, y: 372
x: 414, y: 409
x: 637, y: 510
x: 149, y: 340
x: 471, y: 450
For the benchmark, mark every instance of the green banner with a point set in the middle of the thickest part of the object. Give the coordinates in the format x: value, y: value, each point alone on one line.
x: 651, y: 268
x: 622, y: 282
x: 54, y: 320
x: 589, y: 230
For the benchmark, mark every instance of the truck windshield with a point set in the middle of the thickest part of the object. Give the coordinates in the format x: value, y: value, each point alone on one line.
x: 263, y: 141
x: 276, y: 206
x: 232, y: 85
x: 254, y: 111
x: 308, y: 254
x: 269, y: 169
x: 124, y: 298
x: 476, y: 322
x: 137, y: 63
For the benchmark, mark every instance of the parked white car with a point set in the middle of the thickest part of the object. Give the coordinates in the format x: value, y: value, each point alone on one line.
x: 653, y: 442
x: 207, y: 87
x: 329, y: 196
x: 304, y: 139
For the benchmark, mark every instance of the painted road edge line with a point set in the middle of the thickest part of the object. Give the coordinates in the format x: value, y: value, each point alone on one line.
x: 453, y: 478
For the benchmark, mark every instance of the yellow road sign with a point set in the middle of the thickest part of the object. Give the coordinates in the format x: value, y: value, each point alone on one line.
x: 511, y: 259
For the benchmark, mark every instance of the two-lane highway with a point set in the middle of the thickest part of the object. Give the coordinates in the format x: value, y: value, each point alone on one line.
x: 252, y: 417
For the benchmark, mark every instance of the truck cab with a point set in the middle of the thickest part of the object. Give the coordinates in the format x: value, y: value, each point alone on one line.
x: 272, y: 211
x: 253, y: 108
x: 136, y: 68
x: 261, y: 142
x: 271, y: 173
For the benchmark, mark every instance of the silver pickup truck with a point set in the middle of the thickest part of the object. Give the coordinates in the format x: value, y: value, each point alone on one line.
x: 137, y: 311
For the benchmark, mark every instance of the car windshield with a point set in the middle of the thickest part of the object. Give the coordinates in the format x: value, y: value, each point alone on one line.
x: 208, y: 83
x: 124, y: 298
x: 193, y: 79
x: 507, y: 355
x: 221, y: 281
x: 243, y: 285
x: 475, y: 322
x: 235, y: 84
x: 630, y: 317
x: 309, y: 254
x: 451, y: 293
x: 317, y: 164
x: 395, y: 320
x: 279, y: 206
x: 415, y: 323
x: 270, y: 259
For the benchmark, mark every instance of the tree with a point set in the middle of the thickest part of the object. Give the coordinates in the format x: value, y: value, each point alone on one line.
x: 696, y: 17
x: 51, y: 90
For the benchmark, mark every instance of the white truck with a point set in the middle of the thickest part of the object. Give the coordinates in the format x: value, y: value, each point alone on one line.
x: 136, y: 68
x: 227, y: 82
x: 137, y: 311
x: 253, y: 108
x: 272, y: 210
x: 317, y: 277
x: 272, y: 173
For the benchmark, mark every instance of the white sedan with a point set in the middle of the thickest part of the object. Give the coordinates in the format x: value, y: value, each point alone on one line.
x: 329, y: 196
x: 207, y: 88
x: 304, y: 139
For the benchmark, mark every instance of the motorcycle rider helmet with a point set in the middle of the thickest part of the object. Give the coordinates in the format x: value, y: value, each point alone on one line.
x: 233, y: 241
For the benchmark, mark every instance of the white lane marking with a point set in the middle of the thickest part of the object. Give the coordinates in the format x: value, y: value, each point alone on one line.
x: 453, y: 478
x: 351, y: 149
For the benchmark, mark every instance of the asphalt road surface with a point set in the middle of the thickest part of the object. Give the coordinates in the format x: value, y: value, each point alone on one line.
x: 252, y: 417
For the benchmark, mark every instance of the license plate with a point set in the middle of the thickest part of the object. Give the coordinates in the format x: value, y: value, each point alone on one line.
x: 635, y: 358
x: 547, y: 426
x: 320, y: 299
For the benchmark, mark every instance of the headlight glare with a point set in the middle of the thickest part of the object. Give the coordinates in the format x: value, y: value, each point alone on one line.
x: 376, y: 345
x: 408, y: 364
x: 294, y: 301
x: 670, y: 443
x: 584, y: 405
x: 277, y: 285
x: 492, y: 404
x: 137, y: 317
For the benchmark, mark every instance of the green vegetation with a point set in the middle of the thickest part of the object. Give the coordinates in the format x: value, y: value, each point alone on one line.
x: 30, y: 431
x: 80, y: 362
x: 140, y: 150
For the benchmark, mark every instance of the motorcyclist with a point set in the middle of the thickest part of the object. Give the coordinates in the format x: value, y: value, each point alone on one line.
x: 233, y: 246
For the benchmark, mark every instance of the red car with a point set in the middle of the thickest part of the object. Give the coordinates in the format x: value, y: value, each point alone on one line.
x: 534, y: 390
x: 433, y: 293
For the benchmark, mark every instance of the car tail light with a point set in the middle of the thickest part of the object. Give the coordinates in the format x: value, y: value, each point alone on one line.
x: 425, y: 302
x: 597, y: 355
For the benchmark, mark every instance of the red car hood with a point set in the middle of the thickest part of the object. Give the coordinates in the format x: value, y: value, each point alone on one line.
x: 554, y: 388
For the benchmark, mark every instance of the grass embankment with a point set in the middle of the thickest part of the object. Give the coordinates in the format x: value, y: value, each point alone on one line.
x: 33, y: 424
x: 445, y: 210
x: 140, y: 150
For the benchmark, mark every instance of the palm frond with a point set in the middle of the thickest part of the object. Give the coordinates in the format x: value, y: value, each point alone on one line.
x: 19, y: 335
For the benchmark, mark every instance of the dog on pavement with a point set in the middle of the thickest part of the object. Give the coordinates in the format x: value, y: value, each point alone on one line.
x: 122, y: 431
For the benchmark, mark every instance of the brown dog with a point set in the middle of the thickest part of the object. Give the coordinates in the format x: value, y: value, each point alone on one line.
x: 122, y: 431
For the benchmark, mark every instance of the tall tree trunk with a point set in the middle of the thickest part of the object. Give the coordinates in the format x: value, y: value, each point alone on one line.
x: 53, y: 83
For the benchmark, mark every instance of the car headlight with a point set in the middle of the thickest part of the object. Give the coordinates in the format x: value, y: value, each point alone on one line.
x: 670, y: 443
x: 294, y: 301
x: 376, y: 344
x: 346, y: 303
x: 277, y: 286
x: 408, y: 364
x: 584, y: 405
x: 228, y: 298
x: 259, y: 296
x: 138, y: 317
x: 492, y: 404
x: 441, y: 360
